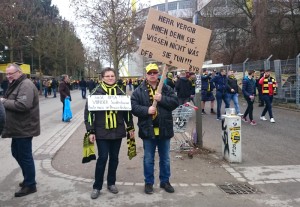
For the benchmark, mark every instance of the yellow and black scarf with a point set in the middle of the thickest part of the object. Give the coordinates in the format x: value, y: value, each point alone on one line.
x: 152, y: 92
x: 110, y: 116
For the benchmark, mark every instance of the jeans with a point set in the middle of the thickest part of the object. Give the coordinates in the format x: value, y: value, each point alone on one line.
x: 268, y: 107
x: 45, y: 92
x: 163, y: 146
x: 249, y: 109
x: 83, y: 92
x: 234, y: 97
x: 21, y: 149
x: 221, y: 96
x: 111, y: 149
x: 54, y: 92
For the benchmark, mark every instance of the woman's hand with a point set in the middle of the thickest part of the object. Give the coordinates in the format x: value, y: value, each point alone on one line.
x: 92, y: 138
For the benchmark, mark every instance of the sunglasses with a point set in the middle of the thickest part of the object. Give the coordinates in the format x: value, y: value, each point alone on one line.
x: 152, y: 73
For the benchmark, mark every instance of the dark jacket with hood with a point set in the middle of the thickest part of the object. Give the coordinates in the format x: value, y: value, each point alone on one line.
x: 140, y: 102
x: 22, y: 109
x: 98, y: 120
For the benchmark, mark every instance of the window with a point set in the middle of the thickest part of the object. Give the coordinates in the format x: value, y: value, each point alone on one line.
x: 172, y: 6
x: 185, y: 4
x: 161, y: 7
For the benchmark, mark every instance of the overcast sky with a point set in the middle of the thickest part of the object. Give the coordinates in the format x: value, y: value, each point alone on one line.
x: 66, y: 12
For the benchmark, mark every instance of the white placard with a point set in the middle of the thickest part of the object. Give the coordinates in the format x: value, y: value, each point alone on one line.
x: 109, y: 102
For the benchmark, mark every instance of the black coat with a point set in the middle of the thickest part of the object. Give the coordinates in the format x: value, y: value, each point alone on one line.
x: 98, y: 121
x: 64, y: 91
x: 140, y: 102
x: 2, y: 117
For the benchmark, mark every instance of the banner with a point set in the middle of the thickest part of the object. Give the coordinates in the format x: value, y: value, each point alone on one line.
x: 174, y: 41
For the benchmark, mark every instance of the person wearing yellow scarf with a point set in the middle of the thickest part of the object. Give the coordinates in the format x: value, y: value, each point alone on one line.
x: 107, y: 128
x: 155, y: 126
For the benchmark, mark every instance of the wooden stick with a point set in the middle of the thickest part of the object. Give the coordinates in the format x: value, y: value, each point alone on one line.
x: 161, y: 83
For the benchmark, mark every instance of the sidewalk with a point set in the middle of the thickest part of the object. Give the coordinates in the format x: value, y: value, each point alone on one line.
x: 64, y: 181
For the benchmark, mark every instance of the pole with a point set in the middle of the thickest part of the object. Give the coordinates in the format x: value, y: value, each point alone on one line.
x: 197, y: 98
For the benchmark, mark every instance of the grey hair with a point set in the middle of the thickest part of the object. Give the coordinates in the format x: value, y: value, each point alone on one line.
x: 15, y: 66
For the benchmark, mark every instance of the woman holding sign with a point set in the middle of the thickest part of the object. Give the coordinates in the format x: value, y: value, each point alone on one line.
x: 107, y: 128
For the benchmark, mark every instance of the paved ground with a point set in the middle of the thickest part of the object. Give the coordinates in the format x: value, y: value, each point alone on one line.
x: 64, y: 181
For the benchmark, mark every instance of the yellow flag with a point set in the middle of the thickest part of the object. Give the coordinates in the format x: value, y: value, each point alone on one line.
x: 249, y: 4
x: 133, y: 5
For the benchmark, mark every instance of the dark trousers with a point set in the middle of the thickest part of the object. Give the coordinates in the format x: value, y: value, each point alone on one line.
x: 249, y: 109
x: 183, y: 100
x: 111, y: 149
x: 268, y: 107
x: 260, y: 99
x: 83, y: 92
x: 21, y: 149
x: 221, y: 96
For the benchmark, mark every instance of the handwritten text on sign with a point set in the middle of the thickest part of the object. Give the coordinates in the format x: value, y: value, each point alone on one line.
x: 174, y: 41
x: 109, y: 102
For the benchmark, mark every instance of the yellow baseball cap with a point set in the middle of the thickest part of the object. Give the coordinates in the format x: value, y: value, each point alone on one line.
x: 151, y: 66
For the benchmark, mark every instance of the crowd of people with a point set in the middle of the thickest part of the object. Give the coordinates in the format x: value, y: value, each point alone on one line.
x: 153, y: 108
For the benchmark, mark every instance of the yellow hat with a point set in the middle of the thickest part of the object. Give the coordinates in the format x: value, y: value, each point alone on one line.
x: 170, y: 75
x: 151, y: 67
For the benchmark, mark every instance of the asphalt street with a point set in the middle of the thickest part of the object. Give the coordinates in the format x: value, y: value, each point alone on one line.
x: 270, y: 166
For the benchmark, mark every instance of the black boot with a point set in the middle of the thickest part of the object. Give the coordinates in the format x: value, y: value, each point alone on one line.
x: 25, y: 190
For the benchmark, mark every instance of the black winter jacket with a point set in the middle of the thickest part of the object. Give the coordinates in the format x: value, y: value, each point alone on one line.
x: 98, y: 121
x: 232, y: 84
x: 140, y: 102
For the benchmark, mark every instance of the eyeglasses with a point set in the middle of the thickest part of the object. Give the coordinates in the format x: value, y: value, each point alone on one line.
x: 10, y: 74
x: 109, y: 76
x: 152, y: 73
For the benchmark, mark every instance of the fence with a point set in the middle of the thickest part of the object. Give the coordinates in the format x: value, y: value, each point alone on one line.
x: 287, y: 74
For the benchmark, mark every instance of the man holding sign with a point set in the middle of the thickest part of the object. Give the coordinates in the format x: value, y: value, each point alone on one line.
x: 155, y: 126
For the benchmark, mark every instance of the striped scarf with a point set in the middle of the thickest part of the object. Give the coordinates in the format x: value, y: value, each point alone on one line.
x: 151, y: 92
x: 110, y: 116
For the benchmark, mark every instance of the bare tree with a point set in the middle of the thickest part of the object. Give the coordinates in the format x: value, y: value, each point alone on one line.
x: 112, y: 23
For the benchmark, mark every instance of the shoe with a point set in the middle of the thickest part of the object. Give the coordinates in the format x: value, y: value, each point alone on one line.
x: 253, y: 123
x: 21, y: 184
x: 95, y: 193
x: 263, y: 118
x: 244, y: 119
x: 261, y: 105
x: 25, y: 190
x: 239, y: 114
x: 203, y: 112
x: 167, y: 186
x: 113, y: 189
x: 218, y: 118
x: 212, y: 112
x: 149, y: 189
x: 272, y: 120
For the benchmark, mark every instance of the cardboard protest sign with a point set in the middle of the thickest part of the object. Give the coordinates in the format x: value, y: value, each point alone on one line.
x: 174, y: 41
x: 109, y: 102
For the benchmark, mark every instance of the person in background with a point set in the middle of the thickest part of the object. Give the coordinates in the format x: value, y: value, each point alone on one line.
x: 64, y: 91
x: 21, y: 103
x: 4, y: 85
x: 249, y: 93
x: 269, y: 89
x: 192, y: 78
x: 169, y: 80
x: 233, y: 92
x: 259, y: 89
x: 155, y: 126
x: 83, y: 85
x: 207, y: 88
x: 54, y: 85
x: 107, y: 128
x: 183, y: 88
x: 220, y: 82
